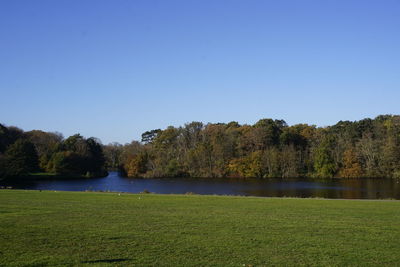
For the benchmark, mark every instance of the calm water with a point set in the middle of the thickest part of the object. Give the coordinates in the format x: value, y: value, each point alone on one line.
x: 333, y: 188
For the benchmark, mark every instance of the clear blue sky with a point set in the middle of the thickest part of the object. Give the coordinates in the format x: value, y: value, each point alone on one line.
x: 114, y: 69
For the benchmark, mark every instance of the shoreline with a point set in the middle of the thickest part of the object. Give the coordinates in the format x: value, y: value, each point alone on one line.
x: 196, y: 195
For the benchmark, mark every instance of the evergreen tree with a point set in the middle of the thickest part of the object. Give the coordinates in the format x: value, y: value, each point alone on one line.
x: 20, y: 158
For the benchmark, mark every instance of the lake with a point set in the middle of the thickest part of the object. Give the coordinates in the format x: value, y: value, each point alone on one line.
x: 329, y: 188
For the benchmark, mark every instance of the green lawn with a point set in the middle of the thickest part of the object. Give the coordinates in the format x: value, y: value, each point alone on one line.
x: 100, y: 229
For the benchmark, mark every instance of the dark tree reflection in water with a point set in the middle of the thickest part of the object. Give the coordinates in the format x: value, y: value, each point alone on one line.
x: 329, y: 188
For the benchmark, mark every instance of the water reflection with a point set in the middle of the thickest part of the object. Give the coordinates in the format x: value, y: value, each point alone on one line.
x: 332, y: 188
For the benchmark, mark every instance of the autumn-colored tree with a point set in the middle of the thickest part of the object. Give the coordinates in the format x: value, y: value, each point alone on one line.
x: 250, y: 166
x: 351, y: 165
x: 136, y: 165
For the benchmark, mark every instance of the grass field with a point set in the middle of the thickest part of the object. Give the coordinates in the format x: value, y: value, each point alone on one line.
x: 100, y: 229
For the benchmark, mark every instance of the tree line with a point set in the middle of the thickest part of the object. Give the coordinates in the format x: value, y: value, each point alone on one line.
x: 269, y: 148
x: 23, y: 153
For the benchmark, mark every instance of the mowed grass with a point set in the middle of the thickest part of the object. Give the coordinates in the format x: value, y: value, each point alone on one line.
x: 100, y: 229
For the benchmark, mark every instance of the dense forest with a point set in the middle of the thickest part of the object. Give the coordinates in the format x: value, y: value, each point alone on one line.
x: 23, y: 153
x: 269, y: 148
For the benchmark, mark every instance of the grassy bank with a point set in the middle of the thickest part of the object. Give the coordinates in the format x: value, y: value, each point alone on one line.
x: 74, y: 228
